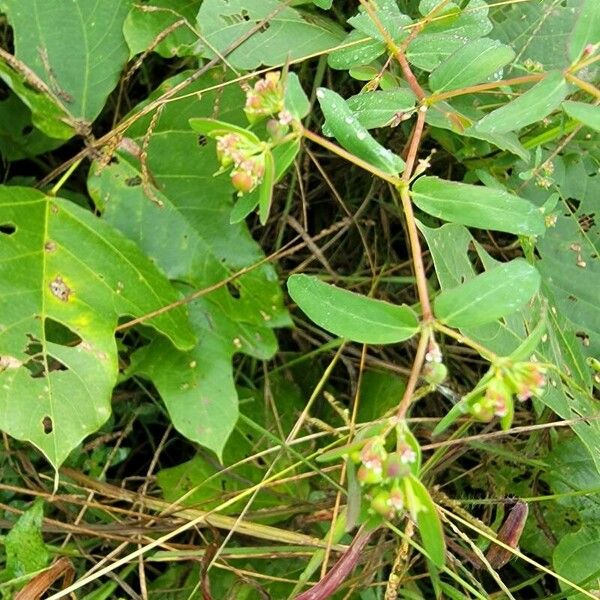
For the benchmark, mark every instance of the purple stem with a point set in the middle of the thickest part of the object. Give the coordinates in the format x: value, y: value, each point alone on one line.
x: 342, y: 568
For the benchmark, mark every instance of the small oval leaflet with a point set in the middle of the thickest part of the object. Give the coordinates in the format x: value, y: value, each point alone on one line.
x: 354, y: 136
x: 352, y: 316
x: 492, y: 295
x: 477, y: 206
x: 472, y: 63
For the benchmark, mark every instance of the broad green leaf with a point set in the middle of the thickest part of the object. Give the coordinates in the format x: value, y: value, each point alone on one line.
x: 47, y: 113
x: 288, y: 35
x: 147, y: 23
x: 428, y: 520
x: 380, y: 392
x: 296, y: 100
x: 533, y: 105
x: 492, y: 295
x: 378, y: 109
x: 572, y: 469
x: 25, y: 548
x: 192, y: 239
x: 588, y: 114
x: 472, y: 63
x: 574, y: 558
x: 82, y: 65
x: 18, y: 137
x: 214, y: 128
x: 586, y: 30
x: 570, y: 251
x: 538, y: 32
x: 68, y: 277
x: 353, y: 136
x: 352, y: 316
x: 477, y: 206
x: 205, y: 482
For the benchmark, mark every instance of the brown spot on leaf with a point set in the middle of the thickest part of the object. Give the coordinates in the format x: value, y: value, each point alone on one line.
x: 60, y: 289
x: 53, y: 208
x: 49, y: 246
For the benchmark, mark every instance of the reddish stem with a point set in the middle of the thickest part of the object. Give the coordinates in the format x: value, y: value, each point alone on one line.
x: 340, y: 571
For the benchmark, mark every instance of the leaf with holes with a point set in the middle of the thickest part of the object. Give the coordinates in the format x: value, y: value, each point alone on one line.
x: 82, y: 72
x: 280, y: 33
x: 68, y: 277
x: 192, y: 239
x: 352, y: 316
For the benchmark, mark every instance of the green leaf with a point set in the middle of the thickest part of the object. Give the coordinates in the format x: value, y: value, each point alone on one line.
x: 492, y: 295
x: 471, y: 64
x: 380, y: 392
x: 427, y: 518
x: 586, y: 30
x: 528, y: 346
x: 390, y: 17
x: 25, y: 549
x: 477, y: 206
x: 289, y: 34
x: 533, y: 105
x: 82, y: 72
x: 192, y: 239
x: 18, y: 137
x: 588, y: 114
x: 572, y: 555
x: 353, y: 136
x: 357, y: 50
x: 146, y: 22
x: 569, y: 252
x: 446, y: 34
x: 266, y: 189
x: 296, y: 100
x: 352, y: 316
x: 47, y: 114
x: 378, y: 109
x: 68, y: 277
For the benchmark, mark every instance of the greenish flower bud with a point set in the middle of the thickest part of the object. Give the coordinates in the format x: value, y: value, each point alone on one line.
x: 435, y: 372
x: 369, y: 475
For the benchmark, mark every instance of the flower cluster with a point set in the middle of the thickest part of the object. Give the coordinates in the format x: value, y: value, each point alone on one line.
x: 522, y: 379
x: 266, y: 99
x: 248, y: 166
x: 381, y: 475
